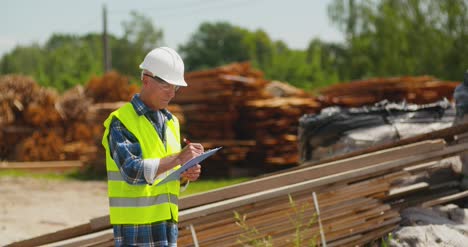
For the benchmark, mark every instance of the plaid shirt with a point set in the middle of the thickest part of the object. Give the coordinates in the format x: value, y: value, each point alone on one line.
x: 161, y: 234
x: 127, y: 154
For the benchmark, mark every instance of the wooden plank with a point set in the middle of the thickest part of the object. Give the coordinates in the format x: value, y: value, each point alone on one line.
x: 401, y: 191
x: 419, y: 198
x: 95, y: 225
x: 442, y: 133
x: 88, y: 241
x: 376, y: 234
x: 306, y: 174
x: 343, y: 241
x: 268, y: 194
x: 272, y: 220
x: 421, y: 167
x: 54, y: 236
x: 265, y: 195
x: 445, y: 199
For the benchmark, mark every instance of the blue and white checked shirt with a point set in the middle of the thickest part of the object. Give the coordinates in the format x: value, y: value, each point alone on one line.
x: 127, y: 154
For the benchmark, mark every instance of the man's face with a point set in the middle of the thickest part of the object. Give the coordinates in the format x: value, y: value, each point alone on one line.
x: 160, y: 92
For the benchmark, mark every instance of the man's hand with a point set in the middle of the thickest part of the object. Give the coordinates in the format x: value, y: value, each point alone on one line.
x: 192, y: 173
x: 189, y: 152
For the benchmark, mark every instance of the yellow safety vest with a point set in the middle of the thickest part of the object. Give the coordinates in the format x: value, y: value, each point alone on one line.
x: 142, y: 204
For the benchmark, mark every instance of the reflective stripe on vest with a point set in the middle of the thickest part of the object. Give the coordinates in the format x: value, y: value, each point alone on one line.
x: 143, y: 201
x: 142, y: 204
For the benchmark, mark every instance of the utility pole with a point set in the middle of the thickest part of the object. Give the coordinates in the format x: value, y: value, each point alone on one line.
x: 106, y: 54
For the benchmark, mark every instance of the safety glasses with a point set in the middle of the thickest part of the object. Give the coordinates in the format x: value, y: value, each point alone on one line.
x: 166, y: 86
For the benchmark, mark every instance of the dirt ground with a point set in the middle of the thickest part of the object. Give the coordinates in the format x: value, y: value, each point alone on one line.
x: 31, y: 207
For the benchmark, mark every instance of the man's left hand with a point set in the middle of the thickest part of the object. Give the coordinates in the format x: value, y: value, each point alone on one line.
x: 192, y: 174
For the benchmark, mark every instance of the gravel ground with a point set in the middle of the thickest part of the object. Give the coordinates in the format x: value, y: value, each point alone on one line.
x: 31, y: 207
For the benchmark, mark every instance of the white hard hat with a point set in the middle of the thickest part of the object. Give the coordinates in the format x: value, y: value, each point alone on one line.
x: 166, y: 64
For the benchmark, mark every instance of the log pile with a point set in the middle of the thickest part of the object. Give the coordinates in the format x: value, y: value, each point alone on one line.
x: 27, y: 113
x: 417, y: 90
x: 111, y: 87
x: 16, y: 92
x: 211, y: 101
x: 359, y: 197
x: 273, y: 124
x: 101, y: 96
x: 38, y: 124
x: 234, y: 103
x: 231, y: 106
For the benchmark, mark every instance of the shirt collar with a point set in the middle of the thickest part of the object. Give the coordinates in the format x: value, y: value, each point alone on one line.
x: 142, y: 109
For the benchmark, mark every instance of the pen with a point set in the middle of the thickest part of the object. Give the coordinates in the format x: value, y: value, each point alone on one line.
x: 186, y: 141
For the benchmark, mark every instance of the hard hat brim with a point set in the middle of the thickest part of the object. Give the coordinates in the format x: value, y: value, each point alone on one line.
x: 180, y: 82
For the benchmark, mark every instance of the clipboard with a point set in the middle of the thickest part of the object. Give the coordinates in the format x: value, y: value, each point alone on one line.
x: 175, y: 175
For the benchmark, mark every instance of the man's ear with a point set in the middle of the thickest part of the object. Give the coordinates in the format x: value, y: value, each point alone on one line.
x: 144, y: 81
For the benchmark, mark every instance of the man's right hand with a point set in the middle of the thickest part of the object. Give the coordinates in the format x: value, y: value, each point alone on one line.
x: 189, y: 152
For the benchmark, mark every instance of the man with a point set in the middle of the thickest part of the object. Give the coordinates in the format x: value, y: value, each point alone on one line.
x: 142, y: 142
x: 461, y: 99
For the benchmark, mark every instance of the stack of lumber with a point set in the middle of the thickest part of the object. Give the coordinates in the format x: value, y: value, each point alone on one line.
x: 16, y: 92
x: 359, y: 197
x: 223, y: 85
x: 211, y: 101
x: 233, y: 106
x: 232, y: 152
x: 39, y: 124
x: 27, y: 113
x: 111, y: 87
x: 234, y: 103
x: 418, y: 90
x: 273, y: 123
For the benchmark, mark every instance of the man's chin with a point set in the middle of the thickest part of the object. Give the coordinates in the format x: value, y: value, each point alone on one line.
x: 164, y: 104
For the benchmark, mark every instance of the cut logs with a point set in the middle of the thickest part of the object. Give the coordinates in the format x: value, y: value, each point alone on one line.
x: 413, y: 89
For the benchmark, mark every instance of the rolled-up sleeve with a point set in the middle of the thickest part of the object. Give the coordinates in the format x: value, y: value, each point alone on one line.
x: 127, y: 154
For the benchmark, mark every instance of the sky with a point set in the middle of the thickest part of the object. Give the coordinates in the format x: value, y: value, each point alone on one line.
x: 296, y: 22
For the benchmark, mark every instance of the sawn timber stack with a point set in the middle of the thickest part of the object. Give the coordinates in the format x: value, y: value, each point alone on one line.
x: 359, y: 198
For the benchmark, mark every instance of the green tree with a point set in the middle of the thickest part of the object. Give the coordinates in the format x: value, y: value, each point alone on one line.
x: 260, y: 48
x: 403, y: 37
x: 71, y: 60
x: 66, y: 60
x: 215, y: 44
x: 27, y: 60
x: 140, y: 36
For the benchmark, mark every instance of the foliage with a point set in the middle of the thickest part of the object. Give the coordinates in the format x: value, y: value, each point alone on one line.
x: 382, y: 38
x: 301, y: 224
x: 253, y: 237
x: 214, y: 45
x: 140, y: 36
x: 38, y: 175
x: 66, y: 60
x: 400, y: 37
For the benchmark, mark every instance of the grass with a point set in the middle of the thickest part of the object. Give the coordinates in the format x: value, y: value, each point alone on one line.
x: 39, y: 175
x: 194, y: 187
x: 210, y: 184
x: 251, y: 236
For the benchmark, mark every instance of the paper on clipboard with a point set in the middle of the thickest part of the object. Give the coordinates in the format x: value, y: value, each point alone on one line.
x: 176, y: 174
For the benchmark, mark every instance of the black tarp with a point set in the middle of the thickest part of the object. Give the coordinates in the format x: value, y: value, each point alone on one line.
x: 338, y: 130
